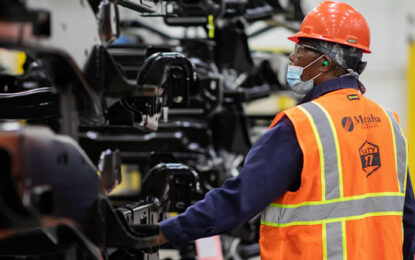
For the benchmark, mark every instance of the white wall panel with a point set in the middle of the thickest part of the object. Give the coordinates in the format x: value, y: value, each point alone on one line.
x: 385, y: 75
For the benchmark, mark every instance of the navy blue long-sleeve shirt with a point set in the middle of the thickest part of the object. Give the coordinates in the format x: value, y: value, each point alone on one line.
x: 272, y: 166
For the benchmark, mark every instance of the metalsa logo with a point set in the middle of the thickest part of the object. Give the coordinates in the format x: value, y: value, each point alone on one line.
x: 347, y: 123
x: 367, y: 121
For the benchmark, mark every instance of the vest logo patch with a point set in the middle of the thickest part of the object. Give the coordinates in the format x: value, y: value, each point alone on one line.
x: 353, y: 97
x: 364, y: 121
x: 369, y: 157
x: 347, y: 123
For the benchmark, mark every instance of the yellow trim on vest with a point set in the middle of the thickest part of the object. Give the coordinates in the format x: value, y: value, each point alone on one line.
x: 336, y: 141
x: 406, y: 164
x: 320, y: 150
x: 364, y: 196
x: 324, y: 231
x: 344, y: 240
x: 406, y: 159
x: 324, y: 221
x: 394, y: 147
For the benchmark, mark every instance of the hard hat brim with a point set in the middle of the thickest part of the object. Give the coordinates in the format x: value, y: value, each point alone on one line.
x: 295, y: 38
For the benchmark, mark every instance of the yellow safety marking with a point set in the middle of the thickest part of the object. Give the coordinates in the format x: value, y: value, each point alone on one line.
x: 336, y: 141
x: 320, y: 150
x: 20, y: 60
x: 211, y: 26
x: 323, y: 221
x: 358, y: 197
x: 130, y: 180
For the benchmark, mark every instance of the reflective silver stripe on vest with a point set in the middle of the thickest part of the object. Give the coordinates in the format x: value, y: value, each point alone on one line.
x: 400, y: 144
x: 334, y: 235
x: 333, y: 211
x: 331, y: 170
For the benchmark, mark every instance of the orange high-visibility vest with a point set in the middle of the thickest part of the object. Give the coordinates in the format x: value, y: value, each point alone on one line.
x: 350, y: 202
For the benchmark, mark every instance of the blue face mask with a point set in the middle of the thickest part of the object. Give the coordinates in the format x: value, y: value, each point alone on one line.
x: 294, y: 78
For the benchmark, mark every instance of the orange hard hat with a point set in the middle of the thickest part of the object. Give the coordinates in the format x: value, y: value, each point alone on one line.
x: 335, y: 22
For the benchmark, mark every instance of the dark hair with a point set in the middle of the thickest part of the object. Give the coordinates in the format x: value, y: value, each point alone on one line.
x: 338, y: 70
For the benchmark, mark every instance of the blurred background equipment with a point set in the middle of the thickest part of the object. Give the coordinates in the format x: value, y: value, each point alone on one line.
x: 116, y: 114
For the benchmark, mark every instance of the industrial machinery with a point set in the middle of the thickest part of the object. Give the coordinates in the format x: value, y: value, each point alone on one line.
x: 87, y: 110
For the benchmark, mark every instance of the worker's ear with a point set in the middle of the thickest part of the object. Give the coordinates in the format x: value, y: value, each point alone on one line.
x: 326, y: 64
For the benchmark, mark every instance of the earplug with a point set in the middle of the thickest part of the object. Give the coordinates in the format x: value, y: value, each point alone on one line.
x: 325, y: 63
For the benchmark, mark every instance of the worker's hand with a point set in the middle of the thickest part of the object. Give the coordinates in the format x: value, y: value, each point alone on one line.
x: 161, y: 239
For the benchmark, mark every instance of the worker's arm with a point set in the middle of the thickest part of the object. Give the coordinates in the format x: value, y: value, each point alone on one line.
x: 409, y: 222
x: 272, y: 166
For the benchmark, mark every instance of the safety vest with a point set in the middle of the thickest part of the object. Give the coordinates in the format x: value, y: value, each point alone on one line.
x: 351, y: 198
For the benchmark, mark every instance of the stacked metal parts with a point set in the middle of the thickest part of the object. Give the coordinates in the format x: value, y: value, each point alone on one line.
x: 101, y: 141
